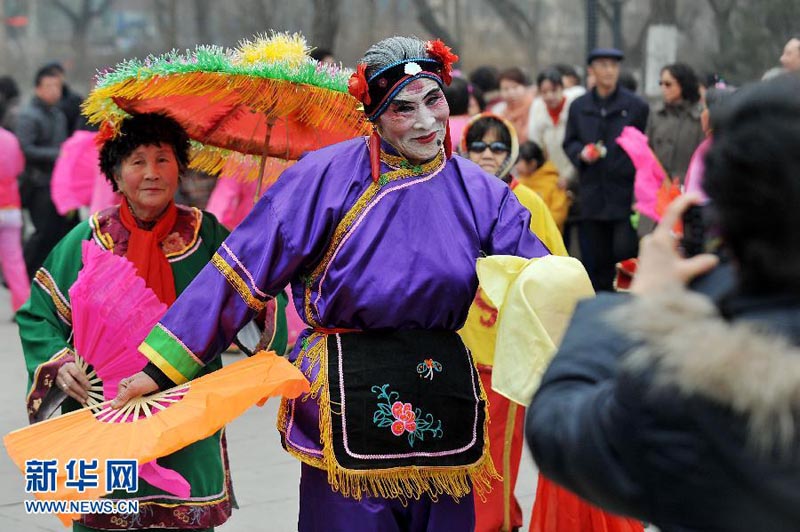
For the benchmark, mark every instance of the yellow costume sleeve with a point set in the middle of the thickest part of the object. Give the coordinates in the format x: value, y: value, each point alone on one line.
x: 542, y: 222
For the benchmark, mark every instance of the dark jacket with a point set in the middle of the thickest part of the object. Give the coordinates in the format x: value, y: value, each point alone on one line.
x: 675, y: 132
x: 41, y: 129
x: 674, y: 415
x: 70, y: 105
x: 605, y: 187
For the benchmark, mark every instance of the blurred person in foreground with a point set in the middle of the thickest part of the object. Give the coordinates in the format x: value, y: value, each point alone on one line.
x: 41, y: 129
x: 790, y: 58
x: 681, y: 409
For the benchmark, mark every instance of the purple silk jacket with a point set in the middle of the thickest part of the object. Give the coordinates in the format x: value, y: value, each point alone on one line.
x: 404, y: 259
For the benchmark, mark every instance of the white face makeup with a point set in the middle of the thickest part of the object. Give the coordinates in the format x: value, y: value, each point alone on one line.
x: 414, y: 122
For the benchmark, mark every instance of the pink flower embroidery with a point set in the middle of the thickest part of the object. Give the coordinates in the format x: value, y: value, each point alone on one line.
x: 405, y: 418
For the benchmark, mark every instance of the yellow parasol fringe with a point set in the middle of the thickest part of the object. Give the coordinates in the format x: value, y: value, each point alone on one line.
x: 268, y: 96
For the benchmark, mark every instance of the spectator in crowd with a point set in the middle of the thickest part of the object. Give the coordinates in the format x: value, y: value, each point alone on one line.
x: 11, y: 261
x: 790, y: 59
x: 548, y: 122
x: 9, y: 102
x: 41, y: 128
x: 477, y: 103
x: 628, y: 80
x: 674, y: 129
x: 571, y: 80
x: 538, y: 173
x: 684, y: 411
x: 70, y: 102
x: 486, y: 79
x: 491, y: 142
x: 323, y: 55
x: 458, y: 98
x: 517, y: 98
x: 605, y: 173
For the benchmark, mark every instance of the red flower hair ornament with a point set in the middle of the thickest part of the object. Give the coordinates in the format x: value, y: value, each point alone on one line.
x: 357, y: 85
x: 442, y: 53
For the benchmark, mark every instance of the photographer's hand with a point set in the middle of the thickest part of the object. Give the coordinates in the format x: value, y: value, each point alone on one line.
x: 661, y: 266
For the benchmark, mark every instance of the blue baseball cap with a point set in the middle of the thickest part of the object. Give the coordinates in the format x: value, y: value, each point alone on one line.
x: 605, y: 53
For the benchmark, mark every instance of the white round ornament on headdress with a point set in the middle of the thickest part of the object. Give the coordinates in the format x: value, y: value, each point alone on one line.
x: 412, y: 69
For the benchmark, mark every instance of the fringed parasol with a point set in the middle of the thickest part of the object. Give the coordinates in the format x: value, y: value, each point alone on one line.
x: 267, y: 97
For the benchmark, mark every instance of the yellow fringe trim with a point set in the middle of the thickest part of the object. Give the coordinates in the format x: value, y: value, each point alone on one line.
x: 402, y: 482
x: 49, y: 284
x: 237, y: 283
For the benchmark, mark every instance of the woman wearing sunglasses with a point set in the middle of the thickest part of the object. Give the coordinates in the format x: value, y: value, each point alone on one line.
x: 674, y: 129
x: 491, y: 142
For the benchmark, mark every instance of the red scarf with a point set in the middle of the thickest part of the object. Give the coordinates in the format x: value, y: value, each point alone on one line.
x: 145, y: 252
x: 555, y: 113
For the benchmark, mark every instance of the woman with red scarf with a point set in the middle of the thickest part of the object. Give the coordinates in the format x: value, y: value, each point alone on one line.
x: 168, y: 244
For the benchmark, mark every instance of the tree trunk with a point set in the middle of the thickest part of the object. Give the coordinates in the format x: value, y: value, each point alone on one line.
x: 664, y: 12
x: 166, y: 13
x: 202, y: 19
x: 4, y: 48
x: 325, y: 25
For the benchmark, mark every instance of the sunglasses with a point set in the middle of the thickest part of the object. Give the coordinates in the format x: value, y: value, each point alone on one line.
x: 496, y: 147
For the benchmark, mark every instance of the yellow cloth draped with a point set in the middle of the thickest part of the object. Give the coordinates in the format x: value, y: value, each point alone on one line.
x: 536, y: 299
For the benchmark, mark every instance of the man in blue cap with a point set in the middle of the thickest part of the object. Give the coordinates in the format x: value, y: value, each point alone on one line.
x: 605, y: 173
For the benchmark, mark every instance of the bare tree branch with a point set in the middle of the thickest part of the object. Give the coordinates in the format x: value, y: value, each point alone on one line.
x: 605, y: 13
x: 100, y: 9
x: 427, y: 17
x: 513, y: 15
x: 61, y: 6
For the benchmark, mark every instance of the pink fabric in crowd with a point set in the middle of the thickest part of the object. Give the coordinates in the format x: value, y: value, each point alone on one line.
x: 103, y: 195
x: 697, y: 168
x: 649, y: 173
x: 231, y: 201
x: 11, y: 260
x: 13, y: 164
x: 13, y: 265
x: 75, y: 172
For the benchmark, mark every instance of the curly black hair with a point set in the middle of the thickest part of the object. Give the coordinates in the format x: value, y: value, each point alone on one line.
x: 146, y: 129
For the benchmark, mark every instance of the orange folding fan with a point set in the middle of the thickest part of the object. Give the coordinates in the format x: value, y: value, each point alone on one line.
x: 153, y: 426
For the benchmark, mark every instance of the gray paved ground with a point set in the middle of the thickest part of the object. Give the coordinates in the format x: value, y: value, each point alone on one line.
x: 265, y: 477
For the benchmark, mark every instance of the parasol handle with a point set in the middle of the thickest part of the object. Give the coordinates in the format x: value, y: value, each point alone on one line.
x: 267, y: 135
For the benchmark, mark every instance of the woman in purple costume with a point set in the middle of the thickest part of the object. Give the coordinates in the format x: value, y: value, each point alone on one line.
x: 378, y: 237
